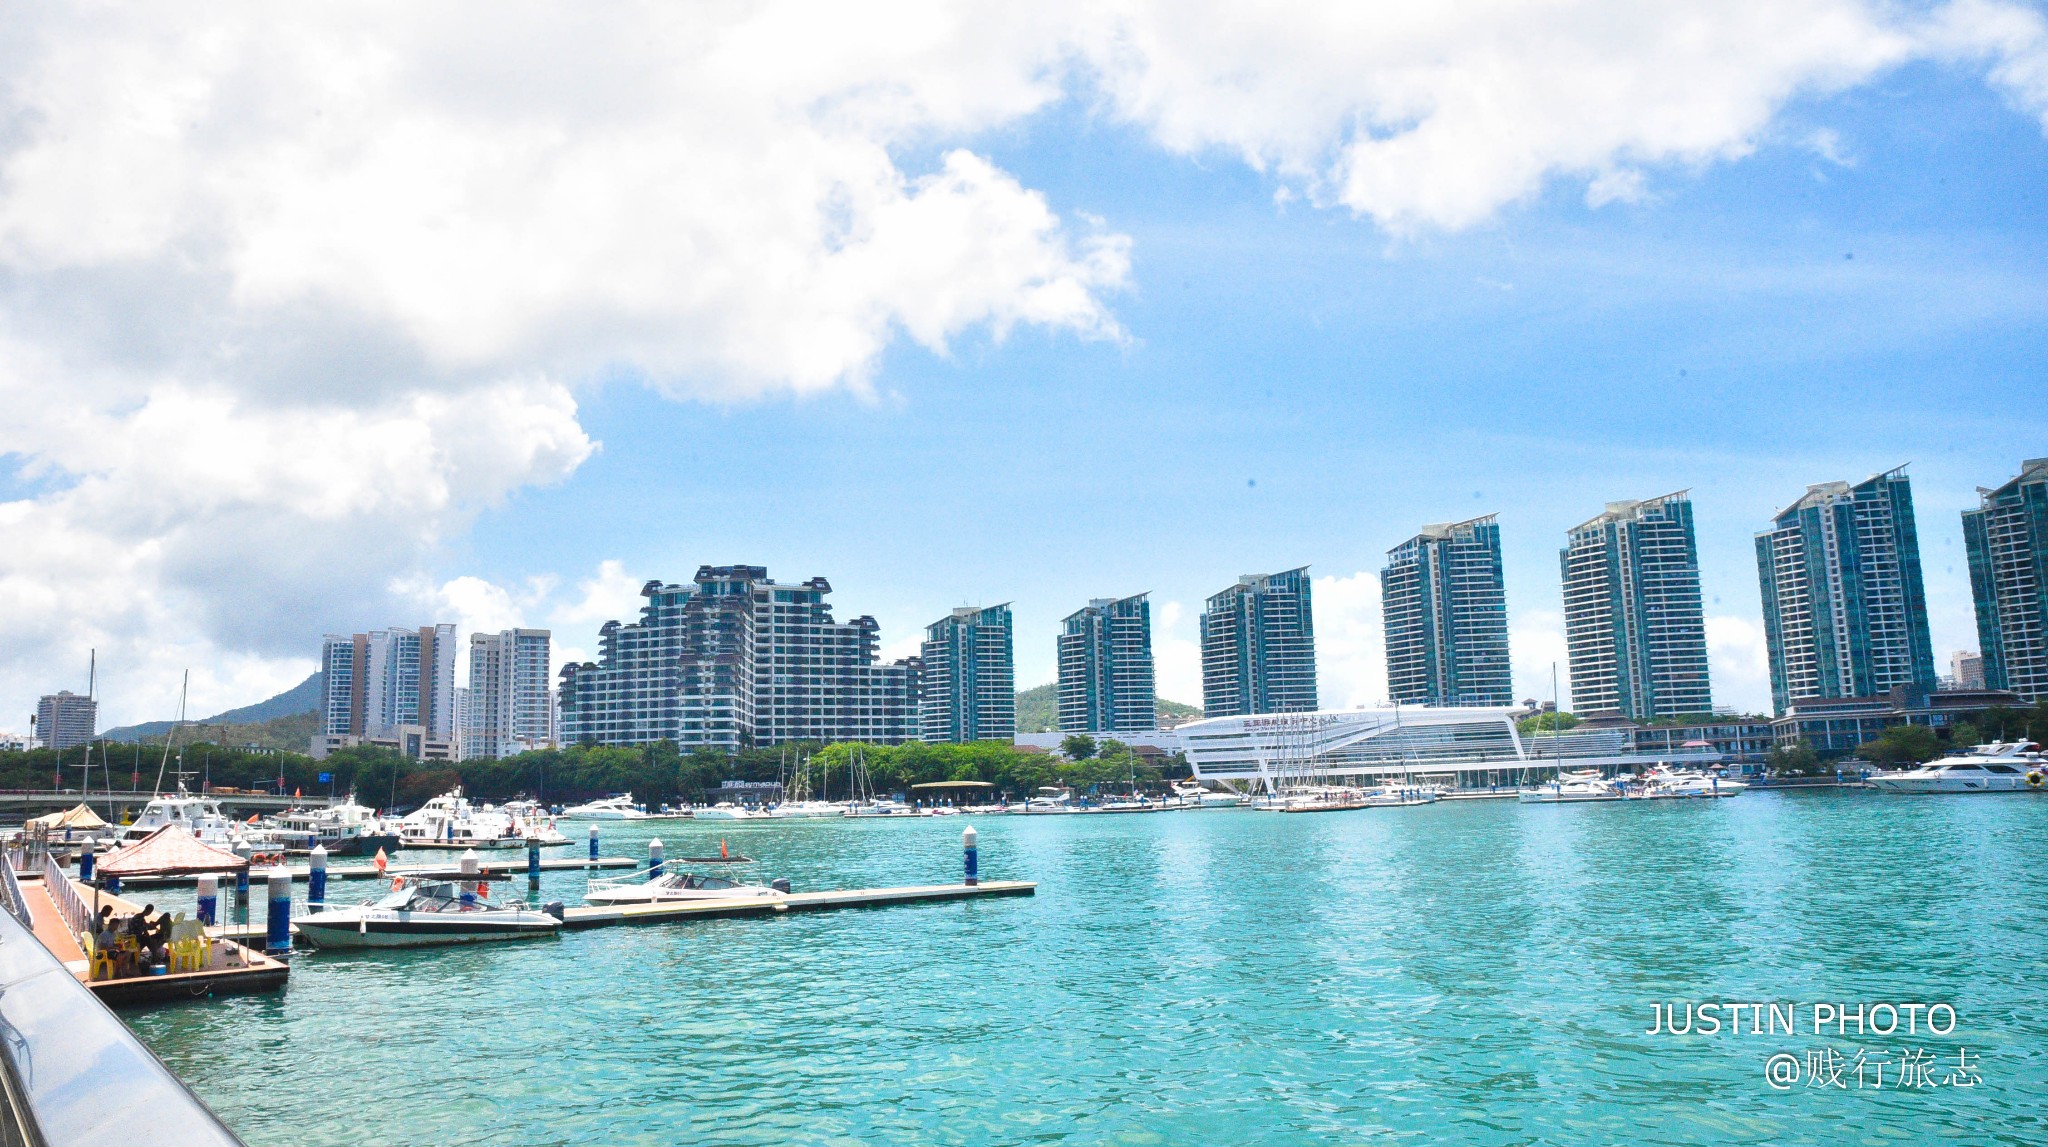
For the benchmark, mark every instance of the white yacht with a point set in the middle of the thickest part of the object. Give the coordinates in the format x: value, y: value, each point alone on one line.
x: 618, y: 807
x: 450, y: 821
x: 673, y: 887
x: 1570, y: 788
x: 346, y: 829
x: 726, y: 810
x: 1196, y: 796
x: 874, y: 808
x: 807, y: 810
x: 1049, y: 800
x: 1664, y: 783
x: 198, y: 815
x: 1999, y: 767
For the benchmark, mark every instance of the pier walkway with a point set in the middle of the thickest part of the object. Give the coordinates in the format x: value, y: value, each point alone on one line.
x: 490, y: 869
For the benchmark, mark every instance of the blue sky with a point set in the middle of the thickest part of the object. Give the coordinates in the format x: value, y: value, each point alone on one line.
x: 1753, y: 327
x: 327, y: 320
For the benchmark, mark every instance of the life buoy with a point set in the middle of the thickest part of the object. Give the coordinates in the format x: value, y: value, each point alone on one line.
x: 2034, y: 780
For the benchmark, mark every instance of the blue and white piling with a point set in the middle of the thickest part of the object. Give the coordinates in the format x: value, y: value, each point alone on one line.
x: 316, y: 879
x: 593, y: 843
x: 654, y: 859
x: 209, y: 899
x: 277, y: 938
x: 472, y: 872
x: 533, y: 862
x: 242, y: 877
x: 85, y: 862
x: 973, y: 861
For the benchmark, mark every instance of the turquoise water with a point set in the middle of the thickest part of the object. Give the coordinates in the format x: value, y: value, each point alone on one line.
x: 1473, y: 971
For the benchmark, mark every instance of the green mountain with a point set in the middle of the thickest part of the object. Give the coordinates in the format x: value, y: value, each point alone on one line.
x: 300, y: 699
x: 1038, y: 709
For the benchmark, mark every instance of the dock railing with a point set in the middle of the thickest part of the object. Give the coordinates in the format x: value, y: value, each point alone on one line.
x: 10, y: 894
x: 73, y: 1074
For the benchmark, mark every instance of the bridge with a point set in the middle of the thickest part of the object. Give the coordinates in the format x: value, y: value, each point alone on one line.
x: 112, y: 805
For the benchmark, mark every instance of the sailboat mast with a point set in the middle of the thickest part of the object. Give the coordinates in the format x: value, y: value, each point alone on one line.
x: 183, y: 690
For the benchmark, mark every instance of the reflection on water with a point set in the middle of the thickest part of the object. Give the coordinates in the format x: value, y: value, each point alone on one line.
x: 1477, y: 971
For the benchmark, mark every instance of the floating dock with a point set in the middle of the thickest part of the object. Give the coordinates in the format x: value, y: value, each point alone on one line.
x: 240, y: 973
x: 489, y: 869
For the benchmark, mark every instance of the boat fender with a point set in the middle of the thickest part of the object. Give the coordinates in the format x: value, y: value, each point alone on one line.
x: 554, y: 908
x: 482, y: 889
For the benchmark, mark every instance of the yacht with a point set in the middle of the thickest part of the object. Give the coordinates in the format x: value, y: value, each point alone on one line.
x: 347, y: 829
x: 1663, y: 783
x: 1999, y: 767
x: 807, y: 810
x: 418, y: 913
x: 874, y: 808
x: 450, y: 821
x: 619, y: 807
x: 1571, y: 787
x: 675, y: 887
x: 1195, y: 796
x: 1050, y: 799
x: 726, y: 810
x: 198, y: 815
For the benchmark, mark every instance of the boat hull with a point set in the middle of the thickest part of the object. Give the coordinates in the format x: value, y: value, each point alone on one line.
x: 417, y: 933
x: 1943, y: 786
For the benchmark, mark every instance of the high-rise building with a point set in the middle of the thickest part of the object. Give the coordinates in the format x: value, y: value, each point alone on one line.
x: 970, y: 679
x: 65, y: 719
x: 1845, y: 614
x: 375, y: 684
x: 1446, y: 608
x: 510, y: 704
x: 1259, y: 647
x: 734, y: 660
x: 1632, y: 613
x: 2007, y: 538
x: 1966, y: 669
x: 1105, y: 655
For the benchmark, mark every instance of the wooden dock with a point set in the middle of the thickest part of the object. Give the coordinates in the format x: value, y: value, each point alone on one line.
x: 489, y: 869
x: 241, y: 973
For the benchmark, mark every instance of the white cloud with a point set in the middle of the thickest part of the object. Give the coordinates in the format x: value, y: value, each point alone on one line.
x: 1537, y: 648
x: 1351, y: 646
x: 1177, y: 653
x: 1738, y: 658
x: 288, y: 293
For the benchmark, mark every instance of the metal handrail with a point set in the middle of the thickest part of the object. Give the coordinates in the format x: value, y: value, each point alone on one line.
x: 65, y: 897
x: 10, y: 895
x: 72, y: 1071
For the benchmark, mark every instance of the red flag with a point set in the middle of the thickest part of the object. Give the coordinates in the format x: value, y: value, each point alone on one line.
x: 721, y: 850
x: 382, y: 862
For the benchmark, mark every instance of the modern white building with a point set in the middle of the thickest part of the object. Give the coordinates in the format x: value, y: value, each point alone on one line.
x: 509, y: 707
x: 373, y: 685
x: 1466, y: 747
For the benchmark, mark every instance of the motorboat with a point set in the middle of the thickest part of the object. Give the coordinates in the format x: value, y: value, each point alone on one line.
x: 1126, y: 805
x: 1196, y: 796
x: 677, y: 886
x: 618, y: 807
x: 807, y: 810
x: 1387, y: 795
x: 876, y: 808
x: 198, y: 815
x: 726, y: 810
x: 1998, y: 767
x: 347, y: 829
x: 1571, y: 788
x: 1664, y: 783
x: 1048, y: 801
x: 449, y: 821
x: 418, y: 913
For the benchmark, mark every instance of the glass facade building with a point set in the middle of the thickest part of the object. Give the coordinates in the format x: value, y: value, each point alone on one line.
x: 734, y: 660
x: 373, y: 683
x: 969, y: 688
x: 1845, y: 613
x: 64, y: 719
x: 1446, y: 610
x: 1633, y: 619
x: 1105, y: 658
x: 509, y: 707
x: 1259, y: 647
x: 2007, y: 540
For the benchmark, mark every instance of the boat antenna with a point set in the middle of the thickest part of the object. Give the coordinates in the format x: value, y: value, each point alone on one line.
x: 183, y: 689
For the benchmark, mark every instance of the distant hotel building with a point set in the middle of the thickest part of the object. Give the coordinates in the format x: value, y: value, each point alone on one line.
x: 1633, y: 619
x: 394, y: 687
x: 969, y: 684
x: 2007, y: 539
x: 1446, y: 611
x: 1845, y: 614
x: 1966, y: 669
x: 66, y: 719
x: 1105, y: 658
x: 510, y: 705
x: 1259, y: 647
x: 734, y: 660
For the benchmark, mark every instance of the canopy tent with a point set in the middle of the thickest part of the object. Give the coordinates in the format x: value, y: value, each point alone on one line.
x: 80, y: 817
x: 954, y: 785
x: 170, y: 851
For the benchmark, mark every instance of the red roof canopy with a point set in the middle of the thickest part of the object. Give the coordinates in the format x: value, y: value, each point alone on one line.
x: 169, y: 851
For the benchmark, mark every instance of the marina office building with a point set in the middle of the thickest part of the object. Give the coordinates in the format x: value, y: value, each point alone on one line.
x: 1105, y: 662
x: 735, y: 660
x: 1259, y: 646
x: 65, y: 719
x: 1467, y: 747
x: 1845, y: 614
x: 969, y: 684
x: 1633, y: 620
x: 392, y: 688
x: 509, y: 707
x: 1446, y: 612
x: 2007, y: 540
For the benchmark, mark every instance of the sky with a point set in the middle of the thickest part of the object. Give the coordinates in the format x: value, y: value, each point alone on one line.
x: 340, y: 317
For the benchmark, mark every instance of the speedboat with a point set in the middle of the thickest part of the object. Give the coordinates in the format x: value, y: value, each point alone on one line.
x: 200, y: 816
x: 672, y: 887
x: 1998, y: 767
x: 726, y: 810
x: 619, y: 807
x: 417, y: 913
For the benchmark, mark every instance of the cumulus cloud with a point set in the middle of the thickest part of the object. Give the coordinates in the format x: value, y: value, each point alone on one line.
x: 289, y: 293
x: 1177, y: 653
x: 1738, y: 658
x: 1351, y: 644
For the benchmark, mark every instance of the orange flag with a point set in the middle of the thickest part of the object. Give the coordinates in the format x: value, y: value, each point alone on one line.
x: 382, y: 862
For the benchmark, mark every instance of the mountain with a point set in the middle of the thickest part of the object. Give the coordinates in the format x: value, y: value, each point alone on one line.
x: 1038, y: 709
x: 301, y: 698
